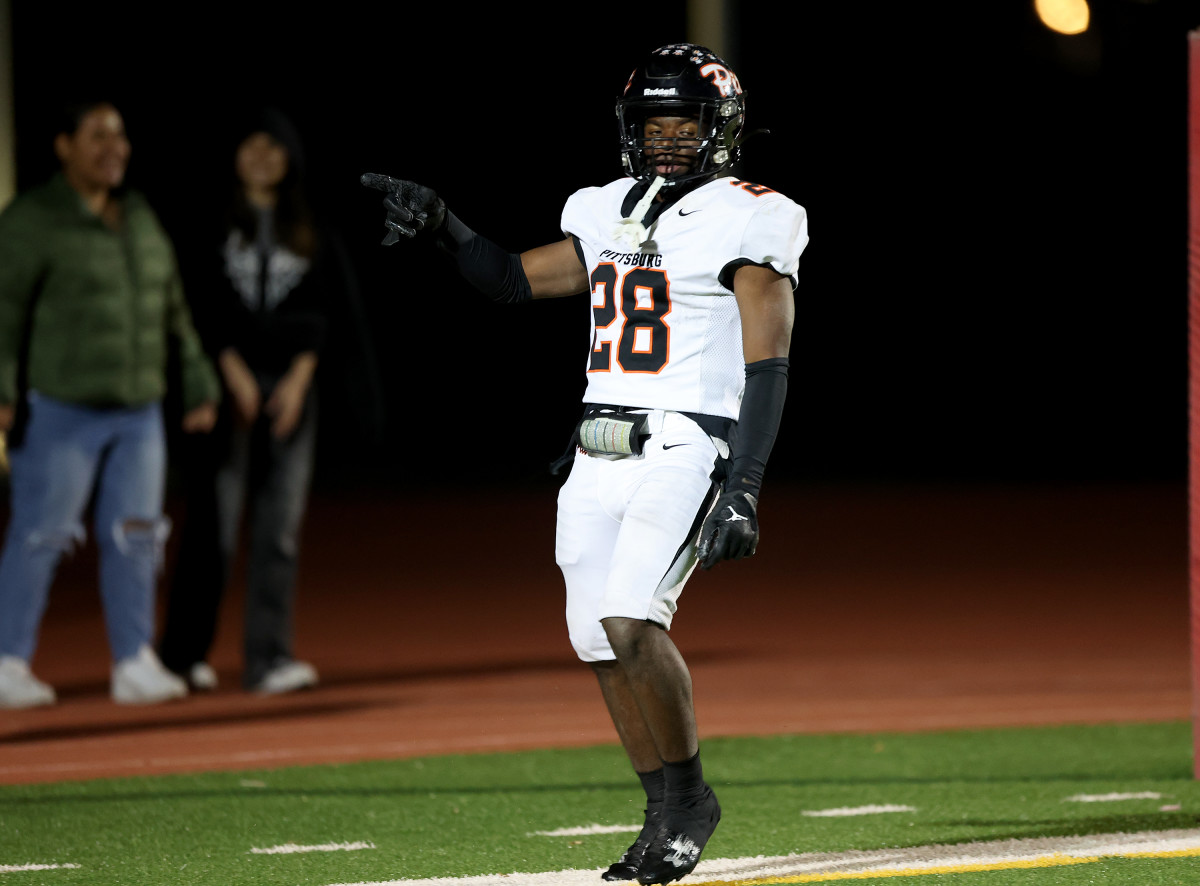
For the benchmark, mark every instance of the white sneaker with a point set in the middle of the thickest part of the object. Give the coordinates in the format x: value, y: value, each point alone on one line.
x: 19, y: 688
x: 287, y: 676
x: 202, y: 677
x: 143, y: 680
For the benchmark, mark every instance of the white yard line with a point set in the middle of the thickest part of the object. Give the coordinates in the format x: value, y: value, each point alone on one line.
x: 816, y: 867
x: 856, y: 810
x: 292, y: 848
x: 589, y: 829
x: 1112, y: 798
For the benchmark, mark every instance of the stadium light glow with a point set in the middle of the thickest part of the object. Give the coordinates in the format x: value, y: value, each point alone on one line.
x: 1064, y: 16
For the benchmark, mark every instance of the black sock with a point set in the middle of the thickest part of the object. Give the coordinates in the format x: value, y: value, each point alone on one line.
x: 684, y: 780
x: 654, y: 784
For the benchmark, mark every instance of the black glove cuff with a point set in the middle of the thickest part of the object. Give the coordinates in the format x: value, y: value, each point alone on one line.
x: 496, y: 273
x: 758, y: 423
x: 453, y: 235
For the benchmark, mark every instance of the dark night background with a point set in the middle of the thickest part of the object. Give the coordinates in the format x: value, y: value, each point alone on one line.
x: 996, y: 286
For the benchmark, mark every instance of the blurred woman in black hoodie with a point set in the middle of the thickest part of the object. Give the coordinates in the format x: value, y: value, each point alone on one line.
x: 264, y: 299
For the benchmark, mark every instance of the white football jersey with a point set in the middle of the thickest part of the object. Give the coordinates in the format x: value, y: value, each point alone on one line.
x: 665, y: 333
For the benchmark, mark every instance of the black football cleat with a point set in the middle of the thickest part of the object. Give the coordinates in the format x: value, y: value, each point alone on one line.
x: 626, y: 867
x: 675, y: 849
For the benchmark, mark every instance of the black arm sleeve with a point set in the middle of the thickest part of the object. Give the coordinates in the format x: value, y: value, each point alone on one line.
x: 758, y: 423
x: 494, y: 272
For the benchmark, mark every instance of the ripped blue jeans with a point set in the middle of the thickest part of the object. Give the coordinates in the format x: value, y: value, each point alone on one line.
x: 71, y: 456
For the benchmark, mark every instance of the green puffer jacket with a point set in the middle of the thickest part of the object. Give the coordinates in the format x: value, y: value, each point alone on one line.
x: 106, y: 305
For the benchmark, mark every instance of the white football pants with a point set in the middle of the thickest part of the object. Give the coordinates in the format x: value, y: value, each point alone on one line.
x: 627, y: 528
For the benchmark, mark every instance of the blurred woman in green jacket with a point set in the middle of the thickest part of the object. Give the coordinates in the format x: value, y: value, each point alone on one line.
x: 90, y: 305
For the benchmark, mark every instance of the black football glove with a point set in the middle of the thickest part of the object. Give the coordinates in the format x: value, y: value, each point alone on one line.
x: 730, y: 531
x: 412, y: 209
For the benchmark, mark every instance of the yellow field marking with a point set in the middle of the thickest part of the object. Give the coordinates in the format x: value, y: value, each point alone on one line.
x: 1046, y: 861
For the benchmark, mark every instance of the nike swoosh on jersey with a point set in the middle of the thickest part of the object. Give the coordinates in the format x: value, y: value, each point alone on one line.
x: 673, y: 445
x: 693, y: 212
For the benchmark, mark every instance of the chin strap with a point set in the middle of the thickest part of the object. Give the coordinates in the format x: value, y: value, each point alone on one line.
x: 630, y: 230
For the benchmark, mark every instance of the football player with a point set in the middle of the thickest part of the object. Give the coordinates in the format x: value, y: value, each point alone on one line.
x: 691, y: 273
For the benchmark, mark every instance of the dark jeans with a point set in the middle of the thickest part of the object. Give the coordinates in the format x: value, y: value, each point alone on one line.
x: 241, y: 472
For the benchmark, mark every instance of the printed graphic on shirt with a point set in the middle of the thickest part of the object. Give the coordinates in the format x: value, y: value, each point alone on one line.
x: 262, y: 291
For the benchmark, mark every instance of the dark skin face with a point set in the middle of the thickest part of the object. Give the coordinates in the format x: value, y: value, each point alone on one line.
x: 668, y: 156
x: 94, y: 158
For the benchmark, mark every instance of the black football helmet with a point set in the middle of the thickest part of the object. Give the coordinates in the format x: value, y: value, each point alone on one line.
x: 682, y: 80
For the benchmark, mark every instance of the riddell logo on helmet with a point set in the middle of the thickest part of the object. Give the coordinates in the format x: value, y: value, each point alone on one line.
x: 671, y: 91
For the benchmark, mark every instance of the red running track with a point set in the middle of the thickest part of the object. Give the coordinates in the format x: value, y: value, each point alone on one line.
x: 439, y: 630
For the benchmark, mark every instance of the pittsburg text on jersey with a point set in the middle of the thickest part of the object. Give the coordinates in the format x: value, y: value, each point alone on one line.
x: 641, y: 259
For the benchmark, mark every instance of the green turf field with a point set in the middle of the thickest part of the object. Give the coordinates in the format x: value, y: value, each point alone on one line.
x: 562, y: 810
